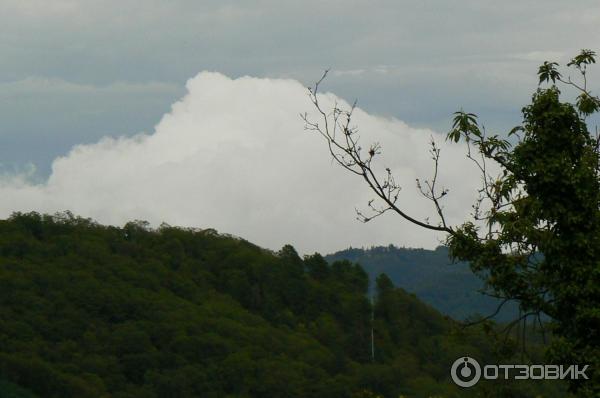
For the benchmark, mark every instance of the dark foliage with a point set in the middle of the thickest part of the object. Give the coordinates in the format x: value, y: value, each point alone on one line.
x: 94, y: 311
x: 450, y: 287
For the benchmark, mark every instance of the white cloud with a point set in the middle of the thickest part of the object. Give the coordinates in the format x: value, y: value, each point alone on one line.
x: 419, y: 61
x: 233, y: 155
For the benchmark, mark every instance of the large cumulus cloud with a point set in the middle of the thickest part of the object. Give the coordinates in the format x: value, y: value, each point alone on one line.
x: 233, y: 155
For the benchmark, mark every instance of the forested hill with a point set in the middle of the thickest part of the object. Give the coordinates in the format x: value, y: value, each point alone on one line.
x: 94, y: 311
x: 449, y: 287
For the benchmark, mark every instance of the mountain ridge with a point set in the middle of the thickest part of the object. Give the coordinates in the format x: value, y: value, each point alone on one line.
x: 450, y: 287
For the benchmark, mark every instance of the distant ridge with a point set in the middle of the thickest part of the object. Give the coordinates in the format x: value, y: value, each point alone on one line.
x: 451, y: 288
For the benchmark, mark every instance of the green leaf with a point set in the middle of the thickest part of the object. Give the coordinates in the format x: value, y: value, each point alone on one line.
x: 585, y: 57
x: 587, y: 104
x: 516, y: 129
x: 548, y: 72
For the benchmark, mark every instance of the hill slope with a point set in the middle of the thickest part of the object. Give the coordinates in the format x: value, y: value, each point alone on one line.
x: 94, y: 311
x: 450, y: 288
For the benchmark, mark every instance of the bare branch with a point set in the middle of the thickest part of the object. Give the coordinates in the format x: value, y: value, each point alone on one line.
x: 344, y: 147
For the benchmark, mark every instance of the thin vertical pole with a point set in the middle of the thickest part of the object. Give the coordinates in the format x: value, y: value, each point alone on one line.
x: 372, y: 331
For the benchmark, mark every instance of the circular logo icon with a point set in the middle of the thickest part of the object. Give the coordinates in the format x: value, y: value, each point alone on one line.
x: 465, y: 372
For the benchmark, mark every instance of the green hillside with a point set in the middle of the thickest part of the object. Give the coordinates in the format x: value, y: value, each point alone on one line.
x: 449, y: 287
x: 11, y: 390
x: 95, y: 311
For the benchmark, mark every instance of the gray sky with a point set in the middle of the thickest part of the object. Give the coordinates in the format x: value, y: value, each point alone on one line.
x: 72, y: 72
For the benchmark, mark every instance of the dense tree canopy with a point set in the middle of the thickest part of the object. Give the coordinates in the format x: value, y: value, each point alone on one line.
x: 94, y: 311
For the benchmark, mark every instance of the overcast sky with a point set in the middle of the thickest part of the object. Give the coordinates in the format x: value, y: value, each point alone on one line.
x: 73, y: 72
